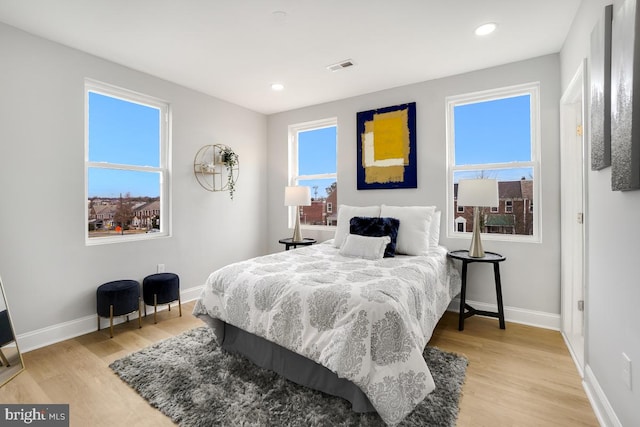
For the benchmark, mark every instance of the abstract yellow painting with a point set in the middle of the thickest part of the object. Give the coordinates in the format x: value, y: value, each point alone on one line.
x: 387, y: 147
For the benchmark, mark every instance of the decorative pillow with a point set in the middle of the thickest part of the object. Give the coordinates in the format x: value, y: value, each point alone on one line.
x: 434, y: 230
x: 413, y: 236
x: 377, y: 227
x: 364, y: 246
x: 345, y: 213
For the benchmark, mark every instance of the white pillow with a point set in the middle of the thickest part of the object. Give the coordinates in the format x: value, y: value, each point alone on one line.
x: 434, y: 230
x: 364, y: 246
x: 413, y: 233
x: 345, y: 213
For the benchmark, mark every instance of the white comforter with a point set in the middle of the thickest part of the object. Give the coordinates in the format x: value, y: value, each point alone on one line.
x: 367, y: 321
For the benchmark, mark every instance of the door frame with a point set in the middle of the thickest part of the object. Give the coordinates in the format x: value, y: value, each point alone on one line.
x: 574, y: 108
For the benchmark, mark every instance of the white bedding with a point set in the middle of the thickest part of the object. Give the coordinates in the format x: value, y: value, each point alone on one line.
x: 367, y: 321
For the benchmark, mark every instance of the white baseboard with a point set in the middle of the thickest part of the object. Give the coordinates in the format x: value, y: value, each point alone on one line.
x: 540, y: 319
x: 599, y: 402
x: 73, y: 328
x: 574, y: 356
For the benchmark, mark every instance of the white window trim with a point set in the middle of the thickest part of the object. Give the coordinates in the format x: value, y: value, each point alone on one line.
x: 294, y: 176
x: 532, y: 89
x: 164, y: 168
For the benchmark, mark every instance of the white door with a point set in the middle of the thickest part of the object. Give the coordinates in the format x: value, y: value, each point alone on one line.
x: 573, y: 163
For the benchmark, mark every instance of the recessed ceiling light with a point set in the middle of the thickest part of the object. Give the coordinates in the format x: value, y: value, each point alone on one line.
x: 279, y: 16
x: 485, y: 29
x: 277, y: 86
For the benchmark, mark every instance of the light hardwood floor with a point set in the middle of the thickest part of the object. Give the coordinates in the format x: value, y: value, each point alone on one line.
x: 521, y: 376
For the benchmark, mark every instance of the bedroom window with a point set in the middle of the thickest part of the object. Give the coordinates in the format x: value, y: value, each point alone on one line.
x: 495, y: 134
x: 313, y: 163
x: 126, y: 165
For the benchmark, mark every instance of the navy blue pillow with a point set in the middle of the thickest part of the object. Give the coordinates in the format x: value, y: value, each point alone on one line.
x: 377, y: 227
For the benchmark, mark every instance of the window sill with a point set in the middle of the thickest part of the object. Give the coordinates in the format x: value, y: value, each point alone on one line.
x: 496, y: 237
x: 317, y: 227
x: 97, y: 241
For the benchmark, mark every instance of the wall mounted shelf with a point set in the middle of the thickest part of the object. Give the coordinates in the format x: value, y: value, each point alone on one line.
x: 217, y: 167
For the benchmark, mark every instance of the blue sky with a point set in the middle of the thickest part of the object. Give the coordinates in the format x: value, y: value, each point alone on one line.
x: 496, y: 131
x: 501, y: 125
x: 125, y: 132
x: 317, y: 154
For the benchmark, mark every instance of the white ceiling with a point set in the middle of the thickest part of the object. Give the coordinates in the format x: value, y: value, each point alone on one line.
x: 235, y: 49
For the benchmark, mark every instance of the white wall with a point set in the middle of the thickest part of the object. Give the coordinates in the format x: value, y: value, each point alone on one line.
x: 50, y: 276
x: 531, y: 274
x: 613, y: 290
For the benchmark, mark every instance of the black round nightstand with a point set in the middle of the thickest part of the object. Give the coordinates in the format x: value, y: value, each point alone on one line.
x: 288, y: 242
x: 489, y: 257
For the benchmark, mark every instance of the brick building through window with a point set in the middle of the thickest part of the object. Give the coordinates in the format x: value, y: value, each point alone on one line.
x: 514, y: 214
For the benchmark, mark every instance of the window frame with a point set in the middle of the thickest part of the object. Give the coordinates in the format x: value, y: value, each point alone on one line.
x: 164, y: 167
x: 533, y: 90
x: 508, y: 206
x: 294, y: 176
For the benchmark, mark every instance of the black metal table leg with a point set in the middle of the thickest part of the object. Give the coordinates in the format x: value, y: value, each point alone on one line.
x: 496, y: 274
x: 463, y: 295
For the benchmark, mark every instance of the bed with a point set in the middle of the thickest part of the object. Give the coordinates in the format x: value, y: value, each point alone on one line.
x: 347, y: 325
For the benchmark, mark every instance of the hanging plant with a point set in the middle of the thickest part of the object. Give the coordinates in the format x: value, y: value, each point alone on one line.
x: 230, y: 160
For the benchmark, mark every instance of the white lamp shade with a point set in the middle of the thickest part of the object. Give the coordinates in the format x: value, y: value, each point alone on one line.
x: 478, y: 192
x: 297, y: 196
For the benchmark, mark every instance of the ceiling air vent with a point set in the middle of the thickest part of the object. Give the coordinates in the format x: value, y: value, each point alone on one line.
x: 340, y: 65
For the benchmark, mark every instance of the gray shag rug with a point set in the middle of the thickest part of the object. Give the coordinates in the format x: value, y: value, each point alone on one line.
x: 195, y: 383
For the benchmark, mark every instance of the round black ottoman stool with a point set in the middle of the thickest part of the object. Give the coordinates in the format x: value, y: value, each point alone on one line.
x: 118, y: 298
x: 161, y: 288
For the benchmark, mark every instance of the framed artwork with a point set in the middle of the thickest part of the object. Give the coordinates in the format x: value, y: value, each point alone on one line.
x: 625, y: 108
x: 600, y: 60
x: 387, y: 148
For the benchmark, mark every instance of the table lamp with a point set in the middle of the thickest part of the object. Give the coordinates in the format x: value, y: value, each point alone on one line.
x: 477, y: 193
x: 297, y: 196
